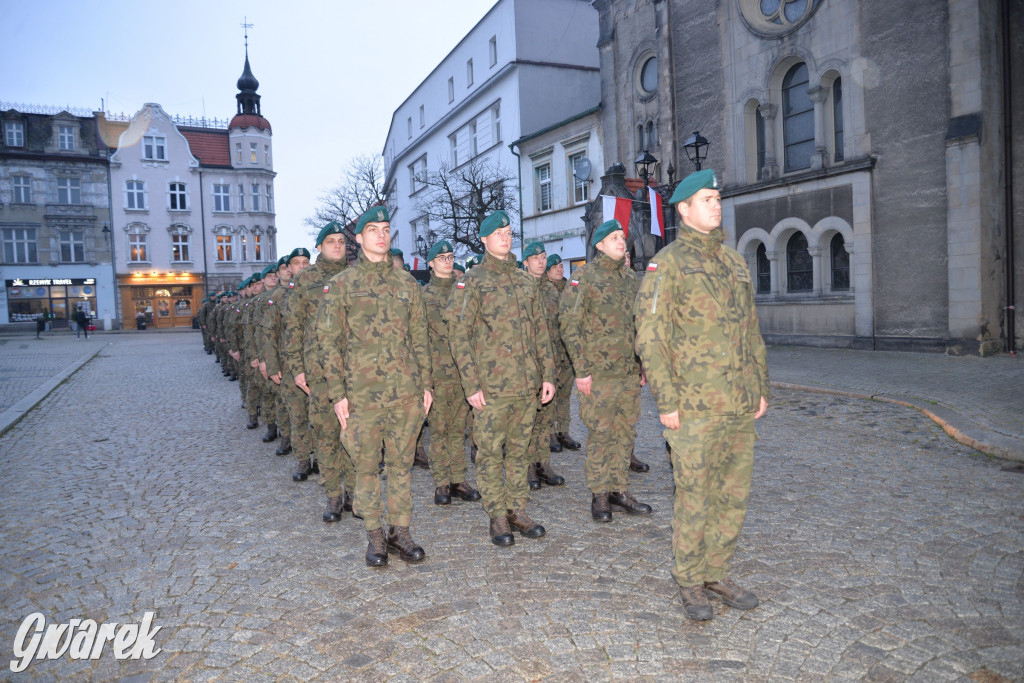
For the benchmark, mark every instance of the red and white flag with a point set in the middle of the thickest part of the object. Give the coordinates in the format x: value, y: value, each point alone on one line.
x: 415, y: 263
x: 617, y: 208
x: 657, y: 222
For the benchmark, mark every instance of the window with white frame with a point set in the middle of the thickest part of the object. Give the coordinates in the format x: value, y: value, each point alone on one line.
x: 408, y: 126
x: 255, y: 197
x: 451, y: 89
x: 496, y: 124
x: 241, y: 197
x: 542, y: 174
x: 469, y: 72
x: 423, y: 116
x: 257, y: 246
x: 177, y: 199
x: 473, y: 144
x: 266, y: 155
x: 181, y: 245
x: 72, y: 246
x: 225, y: 243
x: 243, y: 243
x: 492, y: 50
x: 154, y: 147
x: 65, y: 138
x: 580, y: 188
x: 797, y: 119
x: 418, y: 174
x: 134, y: 195
x: 138, y: 243
x: 14, y: 133
x: 254, y: 153
x: 22, y: 189
x: 221, y: 197
x: 20, y: 245
x: 69, y: 191
x: 453, y: 148
x: 270, y: 198
x: 238, y: 152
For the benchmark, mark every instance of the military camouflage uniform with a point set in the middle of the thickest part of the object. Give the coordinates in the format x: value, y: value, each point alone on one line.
x: 448, y: 414
x: 540, y: 443
x: 699, y: 338
x: 302, y: 354
x: 373, y: 338
x: 597, y: 328
x: 294, y: 400
x: 255, y: 400
x: 565, y: 380
x: 499, y: 338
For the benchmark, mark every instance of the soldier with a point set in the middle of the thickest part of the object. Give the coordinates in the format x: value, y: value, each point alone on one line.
x: 289, y: 395
x: 373, y: 340
x: 301, y: 359
x: 499, y: 339
x: 535, y: 263
x: 274, y: 406
x: 397, y: 257
x: 563, y: 386
x: 255, y: 401
x: 699, y: 338
x: 448, y: 414
x: 597, y: 327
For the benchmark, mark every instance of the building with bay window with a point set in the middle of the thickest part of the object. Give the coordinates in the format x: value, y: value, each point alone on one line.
x: 55, y: 239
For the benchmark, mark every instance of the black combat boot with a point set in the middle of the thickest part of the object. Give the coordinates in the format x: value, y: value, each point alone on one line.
x: 531, y: 477
x: 253, y: 422
x: 400, y: 541
x: 443, y: 495
x: 285, y: 447
x: 376, y: 549
x: 347, y: 502
x: 600, y: 510
x: 465, y: 492
x: 521, y: 522
x: 636, y: 465
x: 627, y: 502
x: 554, y: 444
x: 568, y: 442
x: 420, y: 459
x: 271, y: 433
x: 500, y: 532
x: 548, y: 475
x: 696, y: 605
x: 332, y: 513
x: 302, y: 470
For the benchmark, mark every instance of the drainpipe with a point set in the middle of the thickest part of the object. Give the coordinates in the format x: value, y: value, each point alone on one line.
x: 1011, y: 322
x: 519, y: 167
x: 202, y: 223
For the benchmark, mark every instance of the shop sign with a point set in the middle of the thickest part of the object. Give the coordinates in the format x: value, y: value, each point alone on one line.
x: 50, y: 281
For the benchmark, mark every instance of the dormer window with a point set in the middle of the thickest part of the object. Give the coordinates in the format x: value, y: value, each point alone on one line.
x: 154, y: 147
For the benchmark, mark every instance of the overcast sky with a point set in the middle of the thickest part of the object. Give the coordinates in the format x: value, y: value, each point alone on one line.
x: 330, y: 73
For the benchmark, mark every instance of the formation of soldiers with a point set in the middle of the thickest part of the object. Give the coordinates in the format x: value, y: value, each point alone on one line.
x: 346, y: 365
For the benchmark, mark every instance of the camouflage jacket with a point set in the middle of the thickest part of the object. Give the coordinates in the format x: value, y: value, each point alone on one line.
x: 498, y: 331
x: 596, y: 315
x: 372, y: 332
x: 697, y: 329
x: 231, y: 322
x: 267, y: 332
x: 435, y: 297
x: 300, y: 353
x: 251, y: 311
x: 552, y: 294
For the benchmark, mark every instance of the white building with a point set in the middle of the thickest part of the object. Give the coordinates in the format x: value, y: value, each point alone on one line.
x: 527, y: 64
x: 193, y: 207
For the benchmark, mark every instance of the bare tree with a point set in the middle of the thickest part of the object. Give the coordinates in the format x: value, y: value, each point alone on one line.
x: 458, y: 199
x: 361, y: 187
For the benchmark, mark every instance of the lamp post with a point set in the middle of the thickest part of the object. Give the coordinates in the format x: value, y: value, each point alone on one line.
x: 696, y: 147
x: 421, y: 246
x: 643, y: 164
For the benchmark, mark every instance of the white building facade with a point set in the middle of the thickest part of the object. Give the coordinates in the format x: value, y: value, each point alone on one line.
x: 526, y: 65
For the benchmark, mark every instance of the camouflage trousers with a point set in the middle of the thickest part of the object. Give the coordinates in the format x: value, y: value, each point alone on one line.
x: 610, y: 414
x: 284, y: 418
x: 296, y: 404
x: 394, y: 428
x: 336, y: 469
x: 268, y: 399
x: 540, y: 443
x: 501, y: 474
x: 254, y: 384
x: 563, y: 391
x: 447, y: 434
x: 712, y: 461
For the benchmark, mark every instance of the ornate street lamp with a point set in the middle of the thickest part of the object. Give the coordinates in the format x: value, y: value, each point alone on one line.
x: 421, y: 245
x: 696, y: 149
x: 643, y: 164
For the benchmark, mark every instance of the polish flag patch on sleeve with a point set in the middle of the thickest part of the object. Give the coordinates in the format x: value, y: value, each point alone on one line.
x: 270, y: 302
x: 651, y: 267
x: 460, y: 285
x: 574, y: 283
x: 327, y: 288
x: 290, y: 285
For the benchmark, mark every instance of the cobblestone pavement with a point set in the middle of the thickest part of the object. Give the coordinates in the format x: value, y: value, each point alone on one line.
x: 29, y: 362
x: 881, y: 550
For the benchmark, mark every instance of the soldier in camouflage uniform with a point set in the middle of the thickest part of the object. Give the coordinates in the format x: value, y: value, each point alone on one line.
x: 301, y: 359
x: 448, y: 414
x: 373, y: 338
x: 563, y: 386
x: 272, y: 405
x: 597, y: 327
x: 499, y: 339
x: 535, y: 262
x: 699, y: 338
x: 294, y: 400
x: 255, y: 402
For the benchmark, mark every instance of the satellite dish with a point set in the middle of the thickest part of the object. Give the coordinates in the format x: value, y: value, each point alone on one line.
x: 582, y: 169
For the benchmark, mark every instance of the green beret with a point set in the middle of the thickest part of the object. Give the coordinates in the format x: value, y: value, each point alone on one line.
x: 498, y: 219
x: 272, y: 268
x: 459, y: 267
x: 377, y: 214
x: 406, y: 266
x: 689, y: 185
x: 245, y: 283
x: 603, y: 230
x: 330, y: 229
x: 474, y: 260
x: 442, y: 247
x: 553, y: 261
x: 532, y: 249
x: 283, y: 261
x: 395, y: 251
x: 298, y: 251
x: 212, y: 294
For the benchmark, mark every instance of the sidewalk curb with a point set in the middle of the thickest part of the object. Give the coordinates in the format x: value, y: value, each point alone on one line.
x: 953, y: 423
x: 13, y: 415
